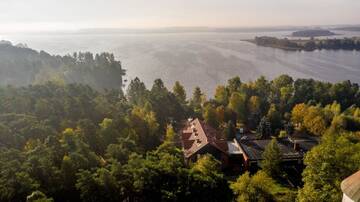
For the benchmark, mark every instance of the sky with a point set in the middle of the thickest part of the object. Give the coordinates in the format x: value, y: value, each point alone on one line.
x: 77, y: 14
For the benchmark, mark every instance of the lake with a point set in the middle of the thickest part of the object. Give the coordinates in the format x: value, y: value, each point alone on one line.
x: 201, y: 59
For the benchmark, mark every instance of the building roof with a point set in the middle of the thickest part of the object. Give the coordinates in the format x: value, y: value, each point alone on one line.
x: 292, y: 147
x: 197, y: 134
x: 351, y: 186
x: 254, y: 149
x: 305, y: 141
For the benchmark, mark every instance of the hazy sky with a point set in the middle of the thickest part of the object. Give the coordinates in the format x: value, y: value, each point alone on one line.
x: 73, y: 14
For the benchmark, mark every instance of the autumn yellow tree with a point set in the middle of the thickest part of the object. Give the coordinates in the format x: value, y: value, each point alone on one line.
x: 297, y: 115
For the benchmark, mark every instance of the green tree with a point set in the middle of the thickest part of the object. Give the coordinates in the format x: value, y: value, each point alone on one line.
x: 170, y: 135
x: 264, y: 128
x: 314, y: 120
x: 179, y: 92
x: 271, y: 159
x: 210, y: 116
x: 38, y: 196
x: 197, y: 100
x: 136, y: 92
x: 222, y: 95
x: 207, y: 183
x: 122, y: 150
x: 259, y: 187
x: 274, y: 118
x: 234, y: 85
x: 334, y: 159
x: 237, y: 103
x: 99, y: 186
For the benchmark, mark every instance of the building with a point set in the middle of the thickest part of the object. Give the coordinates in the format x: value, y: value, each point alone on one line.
x: 199, y: 138
x: 292, y: 148
x: 351, y: 188
x: 245, y: 151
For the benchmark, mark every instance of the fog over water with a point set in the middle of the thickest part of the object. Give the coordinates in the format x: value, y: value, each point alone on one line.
x: 201, y: 59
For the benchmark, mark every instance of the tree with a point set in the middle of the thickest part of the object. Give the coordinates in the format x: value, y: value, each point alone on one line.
x: 262, y: 87
x: 197, y: 100
x: 145, y: 126
x: 271, y: 159
x: 221, y: 114
x: 222, y: 95
x: 38, y: 196
x: 210, y: 116
x: 254, y: 109
x: 282, y: 81
x: 121, y: 151
x: 274, y: 118
x: 179, y: 92
x: 157, y: 176
x: 314, y: 121
x: 237, y: 103
x: 259, y: 187
x: 207, y: 165
x: 327, y: 164
x: 207, y: 183
x: 99, y: 186
x: 264, y: 128
x: 136, y: 92
x: 108, y: 132
x: 234, y: 85
x: 254, y: 105
x: 166, y: 106
x: 170, y: 135
x: 297, y: 115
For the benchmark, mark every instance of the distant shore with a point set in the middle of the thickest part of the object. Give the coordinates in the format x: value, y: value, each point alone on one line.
x: 307, y: 44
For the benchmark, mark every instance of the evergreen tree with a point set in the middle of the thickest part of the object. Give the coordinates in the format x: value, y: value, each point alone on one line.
x: 197, y: 100
x: 271, y: 159
x: 136, y: 92
x: 179, y: 92
x: 264, y: 128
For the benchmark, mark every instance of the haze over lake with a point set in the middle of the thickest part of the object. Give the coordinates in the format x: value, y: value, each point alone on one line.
x: 203, y: 58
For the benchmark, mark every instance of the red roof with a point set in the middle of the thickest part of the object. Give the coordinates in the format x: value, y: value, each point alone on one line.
x: 198, y: 134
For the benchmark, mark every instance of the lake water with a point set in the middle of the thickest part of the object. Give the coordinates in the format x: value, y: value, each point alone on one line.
x: 201, y: 59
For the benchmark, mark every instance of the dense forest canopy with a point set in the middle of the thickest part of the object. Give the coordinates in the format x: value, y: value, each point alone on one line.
x: 68, y: 142
x: 65, y: 141
x: 312, y: 33
x: 22, y: 66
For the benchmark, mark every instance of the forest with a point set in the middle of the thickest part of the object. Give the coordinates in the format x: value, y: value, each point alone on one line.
x: 308, y: 45
x: 312, y: 33
x: 22, y: 66
x: 70, y: 142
